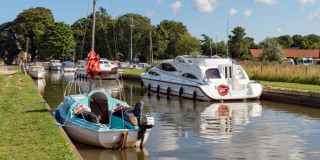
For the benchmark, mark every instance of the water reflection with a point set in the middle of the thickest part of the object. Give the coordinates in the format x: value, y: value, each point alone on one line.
x: 40, y: 84
x: 88, y: 152
x: 219, y: 119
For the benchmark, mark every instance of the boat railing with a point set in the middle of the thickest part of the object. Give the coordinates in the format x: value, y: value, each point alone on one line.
x: 73, y: 86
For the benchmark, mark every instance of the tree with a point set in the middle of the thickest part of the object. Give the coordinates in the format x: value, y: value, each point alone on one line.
x: 8, y: 42
x: 235, y: 42
x: 272, y: 50
x: 31, y: 24
x: 206, y: 45
x: 187, y: 44
x: 174, y: 31
x: 285, y: 41
x: 297, y: 39
x: 56, y: 40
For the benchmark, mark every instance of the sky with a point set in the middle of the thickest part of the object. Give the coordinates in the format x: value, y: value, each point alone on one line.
x: 215, y: 18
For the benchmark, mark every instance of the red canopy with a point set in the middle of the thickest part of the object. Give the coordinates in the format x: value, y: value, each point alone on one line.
x: 93, y: 64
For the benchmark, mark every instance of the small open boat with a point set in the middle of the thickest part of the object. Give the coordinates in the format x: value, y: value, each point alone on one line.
x: 111, y: 131
x: 37, y: 72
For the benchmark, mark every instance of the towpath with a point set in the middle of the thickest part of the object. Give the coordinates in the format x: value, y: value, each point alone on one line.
x: 6, y: 70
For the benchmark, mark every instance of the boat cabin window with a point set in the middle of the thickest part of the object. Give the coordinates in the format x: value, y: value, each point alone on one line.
x: 153, y: 73
x: 188, y: 75
x: 166, y: 67
x: 37, y: 69
x: 213, y: 73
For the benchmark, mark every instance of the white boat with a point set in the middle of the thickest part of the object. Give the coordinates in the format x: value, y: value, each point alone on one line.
x: 55, y: 65
x: 46, y: 65
x: 68, y: 66
x: 107, y: 134
x: 37, y: 72
x: 107, y: 70
x: 202, y: 78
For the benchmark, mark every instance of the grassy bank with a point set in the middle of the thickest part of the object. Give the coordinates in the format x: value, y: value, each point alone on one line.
x: 293, y: 86
x: 27, y: 130
x: 282, y: 72
x: 134, y: 71
x: 14, y: 68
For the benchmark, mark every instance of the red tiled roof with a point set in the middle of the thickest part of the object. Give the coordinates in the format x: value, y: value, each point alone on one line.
x: 291, y: 53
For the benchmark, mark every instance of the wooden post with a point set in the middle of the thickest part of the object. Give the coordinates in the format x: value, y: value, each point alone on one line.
x: 123, y: 139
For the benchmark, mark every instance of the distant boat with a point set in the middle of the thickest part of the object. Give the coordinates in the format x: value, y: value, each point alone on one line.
x: 55, y: 65
x: 202, y: 78
x: 46, y: 65
x: 68, y: 66
x: 37, y: 72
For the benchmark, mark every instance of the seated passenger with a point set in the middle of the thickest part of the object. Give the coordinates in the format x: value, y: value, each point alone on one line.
x: 128, y: 113
x: 84, y: 112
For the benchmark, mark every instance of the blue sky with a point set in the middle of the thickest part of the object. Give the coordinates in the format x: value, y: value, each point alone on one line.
x: 260, y: 18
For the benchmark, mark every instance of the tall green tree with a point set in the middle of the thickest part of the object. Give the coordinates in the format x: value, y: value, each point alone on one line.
x: 31, y: 24
x: 56, y: 42
x: 285, y: 41
x: 187, y: 45
x: 271, y: 50
x: 174, y: 31
x: 297, y: 39
x: 235, y: 42
x: 207, y: 45
x: 8, y: 42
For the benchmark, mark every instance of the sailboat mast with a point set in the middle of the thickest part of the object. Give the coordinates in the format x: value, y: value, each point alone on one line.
x: 131, y: 38
x: 93, y: 24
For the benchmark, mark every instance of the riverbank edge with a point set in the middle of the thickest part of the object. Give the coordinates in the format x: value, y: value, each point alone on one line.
x: 284, y: 95
x: 66, y: 137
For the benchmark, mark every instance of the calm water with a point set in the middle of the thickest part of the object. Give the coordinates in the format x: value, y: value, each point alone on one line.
x: 205, y: 130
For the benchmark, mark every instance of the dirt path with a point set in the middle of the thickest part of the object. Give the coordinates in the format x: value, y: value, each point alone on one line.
x: 5, y: 70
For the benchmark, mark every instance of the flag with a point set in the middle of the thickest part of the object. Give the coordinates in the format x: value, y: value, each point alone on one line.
x: 93, y: 64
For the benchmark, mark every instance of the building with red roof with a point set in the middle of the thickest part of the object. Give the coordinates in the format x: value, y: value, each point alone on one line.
x: 290, y: 53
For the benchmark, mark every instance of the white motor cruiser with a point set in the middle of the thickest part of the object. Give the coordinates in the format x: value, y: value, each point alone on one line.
x: 55, y: 65
x: 202, y: 78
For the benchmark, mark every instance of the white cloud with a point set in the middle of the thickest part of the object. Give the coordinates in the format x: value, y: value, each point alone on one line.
x: 279, y: 30
x: 247, y: 13
x: 174, y: 7
x: 303, y: 3
x: 151, y: 13
x: 267, y: 2
x: 315, y: 15
x: 159, y: 1
x: 233, y: 12
x: 206, y: 5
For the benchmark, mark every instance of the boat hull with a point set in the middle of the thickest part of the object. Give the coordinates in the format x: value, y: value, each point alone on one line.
x: 200, y: 92
x: 69, y: 69
x: 57, y: 68
x: 37, y: 74
x: 105, y: 139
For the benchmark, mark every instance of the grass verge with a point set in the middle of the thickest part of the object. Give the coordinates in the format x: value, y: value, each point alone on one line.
x: 27, y: 130
x: 14, y: 68
x: 134, y: 71
x: 293, y: 86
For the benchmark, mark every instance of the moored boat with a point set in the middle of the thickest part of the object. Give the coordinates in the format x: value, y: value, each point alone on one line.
x: 46, y: 65
x: 55, y: 65
x: 202, y: 78
x: 68, y: 66
x: 37, y: 72
x: 106, y: 132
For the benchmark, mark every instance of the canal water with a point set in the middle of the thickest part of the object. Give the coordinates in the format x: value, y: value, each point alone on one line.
x: 185, y: 129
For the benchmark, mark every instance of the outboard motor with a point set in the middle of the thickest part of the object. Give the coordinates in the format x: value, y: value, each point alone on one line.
x: 147, y: 121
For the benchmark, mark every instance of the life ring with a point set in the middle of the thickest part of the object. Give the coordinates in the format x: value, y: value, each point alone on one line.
x: 222, y: 86
x: 223, y: 110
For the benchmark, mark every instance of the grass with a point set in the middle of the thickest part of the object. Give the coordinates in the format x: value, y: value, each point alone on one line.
x: 14, y: 68
x: 294, y: 86
x: 282, y: 72
x: 134, y: 71
x: 27, y: 130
